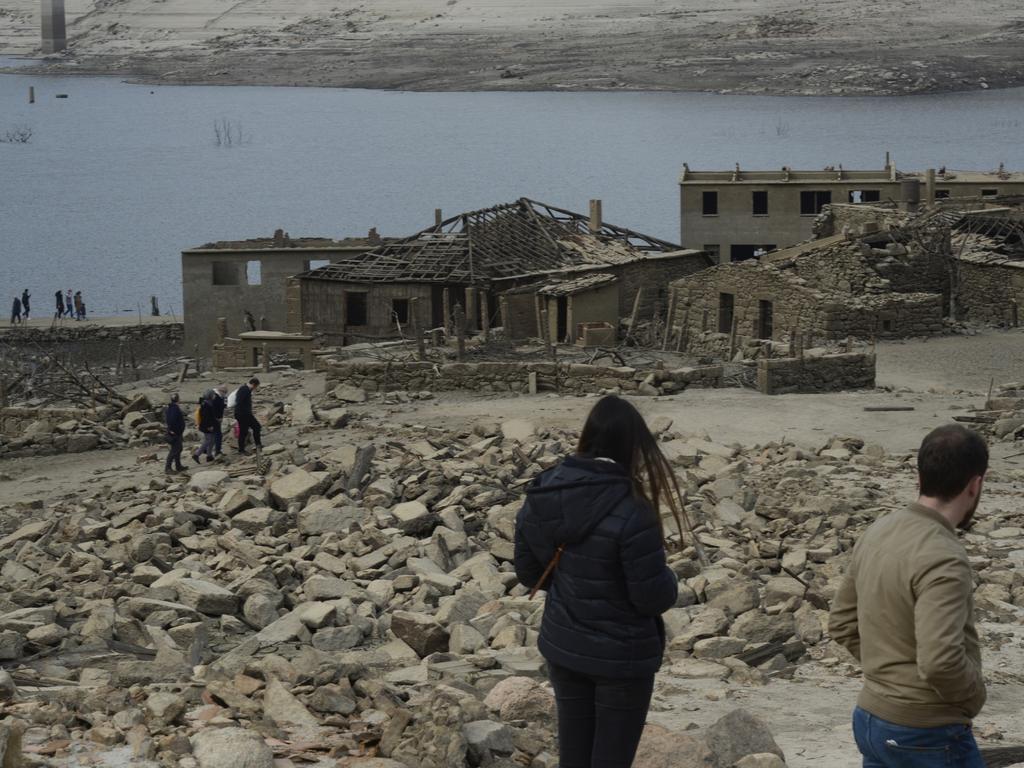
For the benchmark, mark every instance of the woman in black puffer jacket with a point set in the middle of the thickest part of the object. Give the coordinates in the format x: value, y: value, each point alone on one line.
x: 590, y: 533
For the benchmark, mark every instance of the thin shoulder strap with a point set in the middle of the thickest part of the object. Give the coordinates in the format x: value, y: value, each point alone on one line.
x: 547, y: 571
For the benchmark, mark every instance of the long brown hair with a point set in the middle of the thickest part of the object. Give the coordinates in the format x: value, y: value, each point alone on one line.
x: 616, y: 430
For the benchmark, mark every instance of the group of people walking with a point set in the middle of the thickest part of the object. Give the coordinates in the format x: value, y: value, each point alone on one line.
x: 22, y: 308
x: 590, y: 534
x: 69, y: 305
x: 208, y: 418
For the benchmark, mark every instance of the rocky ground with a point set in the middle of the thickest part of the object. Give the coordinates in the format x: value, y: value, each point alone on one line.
x: 356, y: 606
x: 750, y: 46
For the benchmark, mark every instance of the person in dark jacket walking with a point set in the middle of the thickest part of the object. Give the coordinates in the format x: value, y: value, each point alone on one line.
x: 590, y: 534
x: 205, y: 427
x: 245, y: 417
x: 16, y: 311
x: 175, y: 434
x: 220, y: 404
x: 59, y: 313
x: 25, y: 308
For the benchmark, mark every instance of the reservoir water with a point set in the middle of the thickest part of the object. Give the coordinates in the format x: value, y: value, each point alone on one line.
x: 118, y: 179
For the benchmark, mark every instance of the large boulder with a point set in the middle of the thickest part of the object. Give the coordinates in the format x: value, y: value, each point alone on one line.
x: 324, y: 516
x: 738, y: 735
x: 414, y: 518
x: 295, y: 487
x: 521, y: 698
x: 662, y: 748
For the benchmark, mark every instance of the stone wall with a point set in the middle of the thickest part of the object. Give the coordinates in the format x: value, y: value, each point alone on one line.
x: 857, y: 219
x: 987, y: 291
x: 99, y: 344
x: 515, y: 377
x: 829, y: 373
x: 819, y: 314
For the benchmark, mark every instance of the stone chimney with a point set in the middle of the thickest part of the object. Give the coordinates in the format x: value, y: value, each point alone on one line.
x: 54, y: 32
x: 596, y: 222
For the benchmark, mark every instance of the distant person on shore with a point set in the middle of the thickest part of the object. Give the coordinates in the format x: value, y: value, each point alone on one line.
x: 220, y: 404
x: 245, y: 417
x: 25, y: 296
x: 204, y: 420
x: 175, y: 435
x: 69, y: 304
x: 16, y: 311
x: 59, y: 313
x: 79, y: 306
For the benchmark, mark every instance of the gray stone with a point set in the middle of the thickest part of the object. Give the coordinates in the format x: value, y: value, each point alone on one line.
x: 283, y: 708
x: 207, y: 479
x: 8, y: 689
x: 662, y: 748
x: 762, y: 760
x: 252, y: 521
x: 337, y: 638
x: 260, y: 609
x: 323, y: 516
x: 164, y: 709
x: 521, y: 698
x: 11, y: 645
x: 420, y: 632
x: 484, y: 737
x: 757, y: 627
x: 518, y: 430
x: 738, y: 735
x: 231, y: 748
x: 205, y: 597
x: 321, y: 588
x: 414, y: 518
x: 737, y: 597
x: 349, y: 394
x: 294, y: 487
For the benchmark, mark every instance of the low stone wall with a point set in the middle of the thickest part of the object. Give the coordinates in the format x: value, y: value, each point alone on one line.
x: 513, y: 377
x: 99, y: 344
x: 829, y: 373
x: 49, y: 431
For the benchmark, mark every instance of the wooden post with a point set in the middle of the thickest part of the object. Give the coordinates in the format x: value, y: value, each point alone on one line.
x: 460, y: 331
x: 636, y: 312
x: 683, y: 342
x: 31, y: 94
x: 485, y: 315
x: 414, y: 320
x: 447, y: 304
x: 547, y: 329
x: 732, y: 337
x: 668, y: 319
x: 506, y: 321
x: 542, y: 331
x: 154, y: 306
x: 344, y: 317
x: 471, y: 309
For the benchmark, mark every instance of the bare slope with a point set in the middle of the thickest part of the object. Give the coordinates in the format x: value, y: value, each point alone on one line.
x: 757, y: 46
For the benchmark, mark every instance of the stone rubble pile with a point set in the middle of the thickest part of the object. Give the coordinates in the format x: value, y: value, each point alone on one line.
x: 359, y: 604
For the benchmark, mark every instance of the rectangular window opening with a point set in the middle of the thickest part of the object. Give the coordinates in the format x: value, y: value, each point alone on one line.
x: 400, y: 311
x: 225, y: 273
x: 355, y: 308
x: 865, y: 195
x: 254, y: 272
x: 725, y: 308
x: 813, y: 200
x: 941, y: 194
x: 990, y: 193
x: 766, y: 319
x: 710, y: 203
x: 760, y: 202
x: 316, y: 264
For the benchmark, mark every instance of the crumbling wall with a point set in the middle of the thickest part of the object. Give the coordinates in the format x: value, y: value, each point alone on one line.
x: 857, y: 219
x: 653, y: 275
x: 515, y: 377
x: 988, y: 291
x: 830, y: 373
x: 100, y: 343
x: 519, y: 315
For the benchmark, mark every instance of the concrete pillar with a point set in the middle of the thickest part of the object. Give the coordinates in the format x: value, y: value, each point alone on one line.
x: 596, y: 221
x: 55, y: 36
x: 438, y: 217
x: 929, y: 188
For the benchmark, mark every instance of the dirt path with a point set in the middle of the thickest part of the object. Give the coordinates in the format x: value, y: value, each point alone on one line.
x: 750, y: 46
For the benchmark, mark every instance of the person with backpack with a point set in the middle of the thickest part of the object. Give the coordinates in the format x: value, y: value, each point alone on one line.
x: 175, y: 435
x: 590, y: 534
x: 204, y: 421
x: 220, y: 404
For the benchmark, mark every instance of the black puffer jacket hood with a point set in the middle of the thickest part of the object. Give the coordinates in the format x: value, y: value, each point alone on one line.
x: 569, y: 501
x: 607, y: 591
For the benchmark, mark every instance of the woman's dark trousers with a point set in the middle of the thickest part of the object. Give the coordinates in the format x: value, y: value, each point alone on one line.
x: 600, y: 719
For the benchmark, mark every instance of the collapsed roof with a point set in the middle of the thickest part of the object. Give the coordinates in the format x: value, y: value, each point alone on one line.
x: 507, y: 241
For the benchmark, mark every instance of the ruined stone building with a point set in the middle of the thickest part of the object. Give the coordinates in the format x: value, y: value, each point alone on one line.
x: 226, y: 279
x: 988, y: 248
x: 738, y: 214
x: 473, y: 259
x: 884, y: 285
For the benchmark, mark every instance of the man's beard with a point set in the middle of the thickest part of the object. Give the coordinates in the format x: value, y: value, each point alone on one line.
x: 968, y: 521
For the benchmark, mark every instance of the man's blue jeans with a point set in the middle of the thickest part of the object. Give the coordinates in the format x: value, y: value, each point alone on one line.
x: 887, y: 745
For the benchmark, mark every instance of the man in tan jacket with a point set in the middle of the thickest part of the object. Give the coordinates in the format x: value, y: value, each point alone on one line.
x: 905, y: 611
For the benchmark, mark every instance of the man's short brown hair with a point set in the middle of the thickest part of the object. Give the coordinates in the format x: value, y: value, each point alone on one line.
x: 949, y: 458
